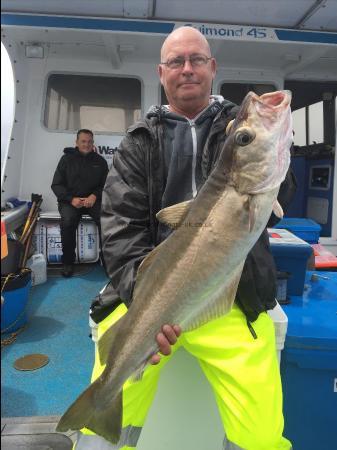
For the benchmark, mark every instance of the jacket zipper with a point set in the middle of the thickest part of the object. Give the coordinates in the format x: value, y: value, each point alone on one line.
x: 194, y: 160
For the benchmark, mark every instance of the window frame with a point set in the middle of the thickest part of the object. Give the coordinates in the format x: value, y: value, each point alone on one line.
x: 271, y: 82
x: 87, y: 74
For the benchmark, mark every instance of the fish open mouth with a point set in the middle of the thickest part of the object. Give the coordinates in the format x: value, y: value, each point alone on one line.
x: 276, y: 100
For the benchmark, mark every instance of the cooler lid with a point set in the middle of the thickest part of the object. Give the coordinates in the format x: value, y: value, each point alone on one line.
x: 282, y: 240
x: 298, y: 224
x: 312, y: 318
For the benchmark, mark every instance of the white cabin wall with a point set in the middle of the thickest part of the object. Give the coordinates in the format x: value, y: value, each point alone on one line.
x: 13, y: 164
x: 7, y: 105
x: 43, y: 148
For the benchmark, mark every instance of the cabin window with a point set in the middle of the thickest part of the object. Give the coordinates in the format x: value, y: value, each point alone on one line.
x: 236, y: 92
x: 308, y: 124
x: 313, y: 106
x: 102, y: 104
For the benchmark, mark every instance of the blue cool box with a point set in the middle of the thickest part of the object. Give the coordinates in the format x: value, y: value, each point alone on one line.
x: 291, y: 255
x: 309, y: 366
x: 305, y: 229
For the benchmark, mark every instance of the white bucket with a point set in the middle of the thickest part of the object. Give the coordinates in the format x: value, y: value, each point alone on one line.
x: 38, y: 265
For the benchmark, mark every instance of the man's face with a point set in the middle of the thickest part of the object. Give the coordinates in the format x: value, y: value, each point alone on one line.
x: 85, y: 143
x: 188, y: 87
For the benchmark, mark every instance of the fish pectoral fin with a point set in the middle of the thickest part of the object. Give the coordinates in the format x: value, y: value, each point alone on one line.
x: 174, y: 215
x: 250, y: 204
x: 277, y: 210
x: 103, y: 419
x: 222, y: 303
x: 106, y: 340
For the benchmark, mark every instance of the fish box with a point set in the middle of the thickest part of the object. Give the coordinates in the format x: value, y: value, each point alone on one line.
x: 291, y: 255
x: 47, y: 239
x: 305, y: 229
x: 309, y: 366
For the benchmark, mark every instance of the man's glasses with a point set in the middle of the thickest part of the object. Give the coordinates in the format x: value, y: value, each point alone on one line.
x: 179, y: 61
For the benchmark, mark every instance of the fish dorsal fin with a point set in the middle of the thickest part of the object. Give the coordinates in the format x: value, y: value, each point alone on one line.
x: 220, y: 304
x: 105, y: 342
x: 277, y: 210
x: 174, y: 215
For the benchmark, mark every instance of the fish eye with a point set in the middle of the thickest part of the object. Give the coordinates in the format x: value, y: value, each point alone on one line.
x: 244, y: 136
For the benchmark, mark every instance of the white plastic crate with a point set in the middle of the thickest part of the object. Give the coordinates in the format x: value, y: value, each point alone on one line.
x: 281, y: 325
x: 47, y: 239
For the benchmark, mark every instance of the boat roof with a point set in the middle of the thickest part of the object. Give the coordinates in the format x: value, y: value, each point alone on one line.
x: 320, y: 15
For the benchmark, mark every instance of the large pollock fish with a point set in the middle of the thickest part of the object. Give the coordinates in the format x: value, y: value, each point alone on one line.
x: 192, y: 277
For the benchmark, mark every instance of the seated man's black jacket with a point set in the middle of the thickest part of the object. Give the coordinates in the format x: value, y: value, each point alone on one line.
x: 79, y: 175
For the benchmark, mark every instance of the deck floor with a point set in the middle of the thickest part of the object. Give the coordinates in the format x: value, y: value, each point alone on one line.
x: 57, y: 327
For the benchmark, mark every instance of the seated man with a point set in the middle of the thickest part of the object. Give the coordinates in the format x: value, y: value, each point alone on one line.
x: 78, y: 183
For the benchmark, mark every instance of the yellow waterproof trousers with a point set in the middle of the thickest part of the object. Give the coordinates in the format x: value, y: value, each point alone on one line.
x: 244, y: 375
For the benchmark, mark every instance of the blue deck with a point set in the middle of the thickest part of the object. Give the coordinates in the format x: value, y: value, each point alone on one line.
x: 57, y: 327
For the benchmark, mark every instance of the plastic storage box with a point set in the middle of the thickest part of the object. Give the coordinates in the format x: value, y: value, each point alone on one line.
x: 324, y: 259
x: 291, y: 255
x: 47, y: 239
x: 309, y: 366
x: 280, y: 320
x: 305, y: 229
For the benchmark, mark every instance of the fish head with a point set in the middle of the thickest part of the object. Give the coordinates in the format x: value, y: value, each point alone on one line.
x: 260, y: 139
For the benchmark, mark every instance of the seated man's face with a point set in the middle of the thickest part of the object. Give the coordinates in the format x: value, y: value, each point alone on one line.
x: 85, y: 143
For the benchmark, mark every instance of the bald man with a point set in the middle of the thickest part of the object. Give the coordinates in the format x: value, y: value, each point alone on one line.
x: 158, y: 164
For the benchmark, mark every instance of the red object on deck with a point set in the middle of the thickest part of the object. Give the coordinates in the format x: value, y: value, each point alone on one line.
x: 324, y: 259
x: 4, y: 246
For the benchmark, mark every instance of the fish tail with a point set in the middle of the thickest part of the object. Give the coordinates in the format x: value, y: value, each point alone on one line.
x: 103, y: 418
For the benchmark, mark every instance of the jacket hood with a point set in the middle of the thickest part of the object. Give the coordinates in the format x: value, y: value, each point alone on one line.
x: 70, y: 150
x: 75, y: 151
x: 163, y: 111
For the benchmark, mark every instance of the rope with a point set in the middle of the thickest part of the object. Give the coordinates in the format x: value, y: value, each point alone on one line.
x: 11, y: 338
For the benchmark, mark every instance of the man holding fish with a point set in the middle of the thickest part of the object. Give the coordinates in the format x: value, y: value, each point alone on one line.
x: 184, y: 216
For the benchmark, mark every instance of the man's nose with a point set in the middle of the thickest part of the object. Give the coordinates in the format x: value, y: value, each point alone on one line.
x: 187, y: 67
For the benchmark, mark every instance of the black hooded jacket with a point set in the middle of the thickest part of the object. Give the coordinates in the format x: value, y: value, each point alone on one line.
x: 132, y: 196
x: 79, y: 175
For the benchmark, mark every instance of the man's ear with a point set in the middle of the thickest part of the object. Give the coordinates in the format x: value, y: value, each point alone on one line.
x: 213, y: 67
x: 160, y: 71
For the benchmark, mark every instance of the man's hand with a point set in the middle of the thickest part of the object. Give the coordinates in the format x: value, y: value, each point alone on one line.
x: 89, y: 201
x: 77, y: 202
x: 168, y: 336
